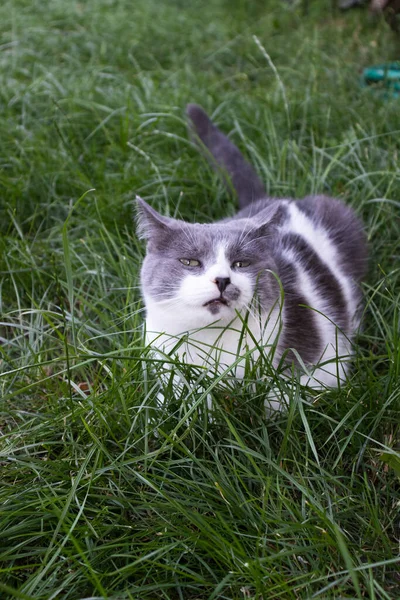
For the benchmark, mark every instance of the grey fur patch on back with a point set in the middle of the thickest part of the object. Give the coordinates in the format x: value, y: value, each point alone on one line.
x: 326, y: 283
x: 301, y: 330
x: 344, y: 228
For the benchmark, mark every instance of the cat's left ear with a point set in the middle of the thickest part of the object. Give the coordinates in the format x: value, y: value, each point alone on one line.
x: 271, y: 221
x: 150, y: 224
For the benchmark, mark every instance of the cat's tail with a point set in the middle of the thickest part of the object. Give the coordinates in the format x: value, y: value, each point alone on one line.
x: 227, y: 157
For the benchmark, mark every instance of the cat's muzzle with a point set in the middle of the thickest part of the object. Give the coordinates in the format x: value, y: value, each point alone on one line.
x: 217, y: 301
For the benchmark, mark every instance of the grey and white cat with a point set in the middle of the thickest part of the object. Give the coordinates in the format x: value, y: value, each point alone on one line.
x: 282, y: 275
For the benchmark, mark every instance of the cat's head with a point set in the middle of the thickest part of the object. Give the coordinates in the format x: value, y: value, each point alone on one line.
x: 205, y: 272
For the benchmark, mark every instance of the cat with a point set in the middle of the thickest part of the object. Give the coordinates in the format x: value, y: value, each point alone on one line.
x: 281, y: 277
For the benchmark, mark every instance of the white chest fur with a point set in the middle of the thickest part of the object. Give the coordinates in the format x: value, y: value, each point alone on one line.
x: 219, y: 345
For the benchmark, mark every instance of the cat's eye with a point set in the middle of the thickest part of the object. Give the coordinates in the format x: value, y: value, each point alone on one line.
x: 190, y: 262
x: 240, y: 264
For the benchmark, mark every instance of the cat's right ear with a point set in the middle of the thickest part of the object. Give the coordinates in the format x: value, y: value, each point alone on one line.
x: 150, y: 224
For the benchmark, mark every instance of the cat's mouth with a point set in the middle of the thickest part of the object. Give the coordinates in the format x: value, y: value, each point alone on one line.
x: 217, y: 302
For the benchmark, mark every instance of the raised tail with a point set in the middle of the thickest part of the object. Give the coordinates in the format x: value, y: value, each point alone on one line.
x: 227, y: 157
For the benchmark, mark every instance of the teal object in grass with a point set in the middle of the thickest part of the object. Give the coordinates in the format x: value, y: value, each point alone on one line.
x: 384, y: 78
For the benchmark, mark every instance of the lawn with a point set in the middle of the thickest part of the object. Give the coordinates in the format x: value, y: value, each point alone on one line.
x: 104, y: 493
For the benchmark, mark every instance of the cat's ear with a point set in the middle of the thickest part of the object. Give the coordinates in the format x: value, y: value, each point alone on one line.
x: 272, y: 219
x: 150, y: 224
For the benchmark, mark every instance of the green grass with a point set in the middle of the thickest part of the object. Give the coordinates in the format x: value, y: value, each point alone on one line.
x: 103, y: 493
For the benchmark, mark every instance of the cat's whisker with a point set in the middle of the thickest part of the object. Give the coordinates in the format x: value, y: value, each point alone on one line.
x: 189, y: 236
x: 261, y: 237
x: 246, y: 231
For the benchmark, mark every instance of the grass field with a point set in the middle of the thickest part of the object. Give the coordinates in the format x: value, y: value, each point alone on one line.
x: 102, y: 493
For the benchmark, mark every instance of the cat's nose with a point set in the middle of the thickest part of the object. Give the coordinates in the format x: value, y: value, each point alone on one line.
x: 222, y: 283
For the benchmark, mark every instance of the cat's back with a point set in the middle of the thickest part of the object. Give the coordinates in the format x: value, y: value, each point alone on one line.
x: 319, y: 248
x: 321, y: 223
x: 320, y: 251
x: 343, y: 228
